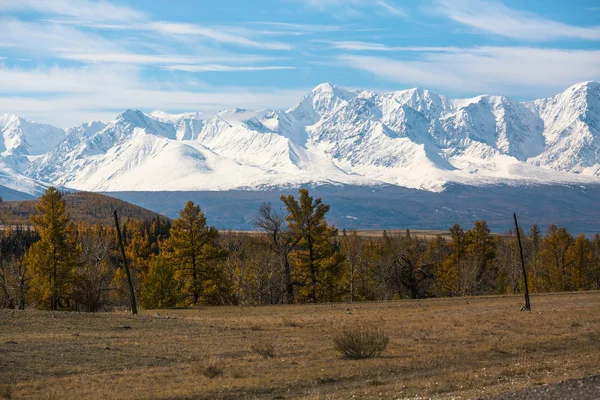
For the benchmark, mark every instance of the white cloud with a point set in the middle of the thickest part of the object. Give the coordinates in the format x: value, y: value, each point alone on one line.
x: 390, y: 9
x: 66, y: 96
x: 62, y: 23
x: 161, y: 59
x: 522, y: 71
x: 355, y: 8
x: 295, y: 29
x: 40, y: 38
x: 370, y: 46
x: 495, y: 18
x: 218, y: 35
x: 225, y: 68
x: 80, y: 9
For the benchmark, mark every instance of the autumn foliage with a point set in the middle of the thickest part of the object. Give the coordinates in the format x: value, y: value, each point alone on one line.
x: 295, y: 257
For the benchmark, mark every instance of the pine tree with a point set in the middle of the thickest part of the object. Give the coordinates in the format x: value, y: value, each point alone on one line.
x: 53, y: 258
x: 191, y: 246
x: 594, y: 277
x: 553, y: 253
x: 316, y: 259
x: 580, y: 263
x: 159, y: 287
x: 536, y: 269
x: 448, y: 277
x: 481, y: 251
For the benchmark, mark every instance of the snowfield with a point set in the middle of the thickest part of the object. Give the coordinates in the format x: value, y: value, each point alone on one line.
x: 412, y: 138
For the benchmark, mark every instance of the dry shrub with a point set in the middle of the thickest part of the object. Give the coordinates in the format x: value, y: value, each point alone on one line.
x: 290, y: 322
x: 264, y: 349
x: 212, y: 369
x: 360, y: 341
x: 6, y: 392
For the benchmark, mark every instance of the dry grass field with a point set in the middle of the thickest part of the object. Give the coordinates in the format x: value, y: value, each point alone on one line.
x: 446, y: 348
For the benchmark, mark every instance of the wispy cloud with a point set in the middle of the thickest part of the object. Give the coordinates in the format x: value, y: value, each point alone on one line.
x: 493, y: 17
x: 370, y: 46
x: 65, y: 96
x: 520, y: 71
x: 90, y: 59
x: 80, y: 9
x: 390, y: 9
x: 226, y: 68
x: 39, y: 38
x: 287, y: 28
x: 163, y: 59
x: 356, y: 8
x: 217, y: 35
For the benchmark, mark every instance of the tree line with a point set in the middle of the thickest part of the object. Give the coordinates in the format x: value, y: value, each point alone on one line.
x: 294, y: 257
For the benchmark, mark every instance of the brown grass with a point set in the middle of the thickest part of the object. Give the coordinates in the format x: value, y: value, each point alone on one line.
x: 264, y: 348
x: 358, y: 341
x: 448, y: 348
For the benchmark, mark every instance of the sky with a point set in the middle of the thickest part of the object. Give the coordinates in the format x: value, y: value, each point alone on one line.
x: 68, y: 61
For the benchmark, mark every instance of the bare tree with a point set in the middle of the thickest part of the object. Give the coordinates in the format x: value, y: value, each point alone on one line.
x: 280, y: 241
x: 14, y: 275
x: 354, y: 252
x: 94, y: 272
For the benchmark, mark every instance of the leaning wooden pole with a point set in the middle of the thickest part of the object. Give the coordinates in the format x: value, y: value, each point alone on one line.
x: 527, y: 304
x: 129, y: 281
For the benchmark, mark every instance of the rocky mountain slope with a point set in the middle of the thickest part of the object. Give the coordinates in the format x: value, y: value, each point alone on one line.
x: 412, y: 138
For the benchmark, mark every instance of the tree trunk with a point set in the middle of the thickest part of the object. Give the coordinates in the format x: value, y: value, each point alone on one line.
x: 287, y: 276
x: 313, y: 271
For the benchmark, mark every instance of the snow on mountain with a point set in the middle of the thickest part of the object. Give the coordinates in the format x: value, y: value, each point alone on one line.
x: 319, y: 103
x: 27, y: 138
x: 572, y: 130
x: 12, y: 179
x: 412, y: 138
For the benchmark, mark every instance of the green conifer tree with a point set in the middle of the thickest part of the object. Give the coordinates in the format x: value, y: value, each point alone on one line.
x: 319, y: 265
x: 191, y: 246
x: 53, y: 258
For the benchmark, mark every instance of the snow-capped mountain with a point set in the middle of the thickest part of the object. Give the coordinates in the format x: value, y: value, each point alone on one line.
x: 412, y: 138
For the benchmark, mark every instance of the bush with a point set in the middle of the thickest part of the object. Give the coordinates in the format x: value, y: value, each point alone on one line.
x: 290, y: 322
x: 360, y: 342
x: 211, y: 370
x: 264, y: 349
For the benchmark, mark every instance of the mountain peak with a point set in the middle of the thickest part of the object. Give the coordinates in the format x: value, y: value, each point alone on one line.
x: 321, y: 101
x: 412, y: 137
x: 7, y: 119
x: 132, y: 115
x: 324, y: 87
x: 588, y: 85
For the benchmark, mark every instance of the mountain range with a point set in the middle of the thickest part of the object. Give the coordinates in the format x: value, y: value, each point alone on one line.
x: 411, y: 138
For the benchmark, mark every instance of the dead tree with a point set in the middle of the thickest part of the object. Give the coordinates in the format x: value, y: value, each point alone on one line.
x: 280, y: 241
x: 129, y: 281
x: 527, y: 306
x: 413, y: 277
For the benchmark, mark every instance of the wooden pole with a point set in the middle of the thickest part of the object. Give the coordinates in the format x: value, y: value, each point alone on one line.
x: 129, y: 282
x: 527, y: 304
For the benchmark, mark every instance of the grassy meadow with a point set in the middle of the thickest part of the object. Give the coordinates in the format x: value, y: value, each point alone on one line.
x: 439, y: 348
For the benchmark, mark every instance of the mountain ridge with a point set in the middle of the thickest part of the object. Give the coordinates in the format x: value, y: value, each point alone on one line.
x: 412, y: 138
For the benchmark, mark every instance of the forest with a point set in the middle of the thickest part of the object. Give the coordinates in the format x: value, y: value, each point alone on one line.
x: 294, y: 256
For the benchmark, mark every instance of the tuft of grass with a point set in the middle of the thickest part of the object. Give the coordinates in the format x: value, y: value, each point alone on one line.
x: 6, y: 392
x: 286, y: 321
x: 212, y: 369
x: 356, y: 342
x: 264, y: 349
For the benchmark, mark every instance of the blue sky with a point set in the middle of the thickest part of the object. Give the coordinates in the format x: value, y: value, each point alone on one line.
x: 67, y: 61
